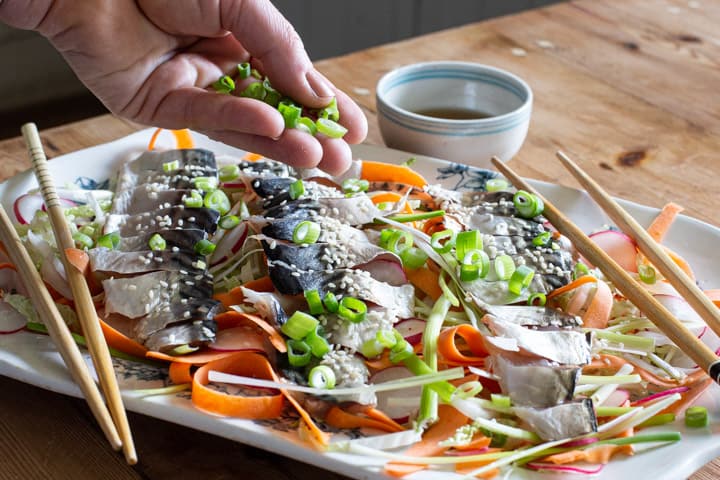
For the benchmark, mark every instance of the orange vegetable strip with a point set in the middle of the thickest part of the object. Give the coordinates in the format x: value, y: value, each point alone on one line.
x: 7, y: 265
x: 120, y: 342
x: 687, y: 398
x: 447, y: 347
x: 478, y: 442
x: 426, y: 280
x: 596, y: 455
x: 571, y: 286
x: 467, y: 468
x: 232, y: 318
x: 598, y: 312
x: 78, y: 259
x: 611, y: 361
x: 387, y: 172
x: 449, y: 420
x: 714, y: 295
x: 183, y: 139
x: 252, y: 157
x: 680, y: 262
x: 235, y: 296
x: 180, y: 373
x: 661, y: 224
x: 391, y: 197
x: 339, y: 418
x: 380, y: 416
x: 197, y: 358
x: 240, y: 363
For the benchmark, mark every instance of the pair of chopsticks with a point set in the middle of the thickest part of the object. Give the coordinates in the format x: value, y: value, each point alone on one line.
x: 659, y: 315
x: 112, y: 419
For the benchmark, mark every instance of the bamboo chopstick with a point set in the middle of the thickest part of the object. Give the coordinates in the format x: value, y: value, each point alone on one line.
x: 669, y: 325
x: 648, y: 246
x: 58, y: 330
x: 81, y: 294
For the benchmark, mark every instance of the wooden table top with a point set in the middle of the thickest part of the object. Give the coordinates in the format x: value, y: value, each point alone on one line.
x: 627, y: 88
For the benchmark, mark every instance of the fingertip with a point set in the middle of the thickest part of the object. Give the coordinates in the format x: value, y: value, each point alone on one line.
x: 336, y: 156
x: 353, y: 118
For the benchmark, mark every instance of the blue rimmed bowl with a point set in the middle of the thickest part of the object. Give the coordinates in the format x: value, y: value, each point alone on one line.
x: 415, y: 103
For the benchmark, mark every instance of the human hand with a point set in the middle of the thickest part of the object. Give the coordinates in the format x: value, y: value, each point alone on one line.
x: 153, y: 61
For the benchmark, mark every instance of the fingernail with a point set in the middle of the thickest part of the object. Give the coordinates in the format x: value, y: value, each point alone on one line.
x: 319, y: 84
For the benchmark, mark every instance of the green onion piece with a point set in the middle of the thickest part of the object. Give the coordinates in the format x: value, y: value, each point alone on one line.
x: 171, y: 166
x: 330, y: 128
x: 636, y: 342
x: 195, y: 200
x: 580, y: 270
x: 537, y: 300
x: 228, y: 173
x: 299, y: 353
x: 299, y: 325
x: 468, y: 389
x: 272, y: 96
x: 527, y: 204
x: 317, y: 342
x: 255, y: 74
x: 401, y: 352
x: 352, y: 309
x: 371, y: 348
x: 307, y: 124
x: 387, y: 338
x: 109, y: 240
x: 542, y: 239
x: 157, y: 242
x: 409, y: 162
x: 647, y: 274
x: 314, y: 302
x: 243, y: 70
x: 443, y: 242
x: 399, y: 241
x: 206, y: 184
x: 88, y: 230
x: 520, y: 279
x: 504, y: 266
x: 204, y: 247
x: 413, y: 258
x: 467, y: 241
x: 229, y: 221
x: 224, y: 84
x: 416, y: 217
x: 306, y: 232
x: 331, y: 303
x: 297, y: 189
x: 217, y: 200
x: 696, y: 417
x: 660, y: 419
x: 475, y: 264
x: 322, y: 376
x: 355, y: 185
x: 502, y: 401
x: 290, y: 113
x: 496, y: 185
x: 331, y: 111
x: 385, y: 236
x: 82, y: 240
x: 254, y: 90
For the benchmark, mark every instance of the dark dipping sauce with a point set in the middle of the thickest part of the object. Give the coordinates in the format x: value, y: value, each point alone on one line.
x: 453, y: 113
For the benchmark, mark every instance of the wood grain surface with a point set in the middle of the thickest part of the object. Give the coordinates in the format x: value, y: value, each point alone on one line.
x: 627, y: 88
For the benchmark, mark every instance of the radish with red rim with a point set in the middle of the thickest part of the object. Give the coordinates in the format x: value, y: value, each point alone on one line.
x: 618, y: 246
x: 411, y: 329
x: 11, y: 321
x: 401, y: 404
x: 230, y: 244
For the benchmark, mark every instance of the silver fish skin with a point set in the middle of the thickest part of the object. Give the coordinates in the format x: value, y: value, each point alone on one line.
x: 128, y: 263
x: 195, y: 334
x: 266, y: 303
x: 568, y: 420
x: 535, y: 384
x: 146, y: 198
x: 184, y: 239
x: 527, y: 316
x: 174, y: 217
x: 195, y: 310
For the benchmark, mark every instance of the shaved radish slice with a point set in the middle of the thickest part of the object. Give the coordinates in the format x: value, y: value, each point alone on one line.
x: 64, y: 203
x: 26, y: 206
x: 230, y: 244
x: 237, y: 339
x: 616, y: 398
x: 551, y: 467
x: 10, y: 281
x: 397, y: 404
x: 11, y: 320
x: 619, y: 246
x: 658, y: 395
x: 53, y: 273
x: 680, y: 309
x: 411, y: 329
x: 384, y: 270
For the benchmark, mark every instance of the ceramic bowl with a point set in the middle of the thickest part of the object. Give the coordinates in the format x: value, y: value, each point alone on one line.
x: 437, y: 109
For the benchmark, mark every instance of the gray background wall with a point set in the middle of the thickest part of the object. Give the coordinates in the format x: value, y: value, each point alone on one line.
x: 35, y: 83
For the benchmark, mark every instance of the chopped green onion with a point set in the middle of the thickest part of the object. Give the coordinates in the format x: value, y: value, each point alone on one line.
x: 299, y: 353
x: 255, y: 74
x: 416, y: 217
x: 580, y: 270
x: 468, y: 389
x: 502, y: 401
x: 542, y: 239
x: 331, y: 303
x: 371, y: 348
x: 330, y: 128
x: 387, y: 338
x: 217, y: 200
x: 229, y: 221
x: 352, y: 309
x: 385, y: 236
x: 696, y: 417
x: 636, y: 342
x: 317, y: 342
x: 322, y: 376
x: 306, y: 232
x: 204, y: 247
x: 299, y: 325
x: 224, y: 84
x: 195, y: 200
x: 475, y: 264
x: 413, y: 257
x: 399, y: 241
x: 254, y: 90
x: 82, y: 240
x: 496, y: 184
x: 243, y: 70
x: 467, y: 241
x: 520, y: 279
x: 402, y: 351
x: 314, y: 302
x: 307, y: 124
x: 109, y: 240
x: 206, y: 184
x: 660, y: 419
x: 355, y: 185
x: 228, y: 172
x: 409, y: 162
x: 537, y: 300
x: 157, y: 242
x: 527, y: 204
x: 443, y: 242
x: 171, y: 166
x: 331, y: 111
x: 88, y: 230
x: 297, y: 189
x: 504, y: 267
x: 290, y: 113
x: 647, y: 274
x: 272, y: 96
